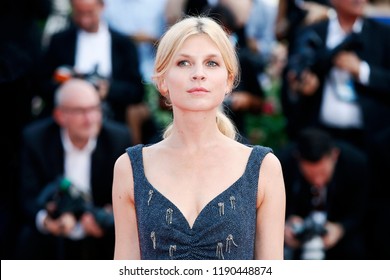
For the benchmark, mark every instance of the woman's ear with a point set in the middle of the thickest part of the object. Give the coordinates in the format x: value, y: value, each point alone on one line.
x: 163, y: 87
x: 230, y: 82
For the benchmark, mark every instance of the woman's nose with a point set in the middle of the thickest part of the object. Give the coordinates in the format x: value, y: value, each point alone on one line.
x: 198, y: 74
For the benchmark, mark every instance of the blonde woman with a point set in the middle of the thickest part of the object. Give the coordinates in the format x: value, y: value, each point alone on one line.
x: 199, y: 193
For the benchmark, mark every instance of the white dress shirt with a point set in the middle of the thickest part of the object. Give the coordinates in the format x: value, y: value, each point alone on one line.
x: 94, y: 49
x: 340, y: 108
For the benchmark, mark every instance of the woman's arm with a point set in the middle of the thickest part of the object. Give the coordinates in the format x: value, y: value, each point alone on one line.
x: 270, y: 211
x: 126, y: 231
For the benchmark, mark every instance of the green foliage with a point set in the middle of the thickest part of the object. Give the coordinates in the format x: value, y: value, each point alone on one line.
x: 268, y: 128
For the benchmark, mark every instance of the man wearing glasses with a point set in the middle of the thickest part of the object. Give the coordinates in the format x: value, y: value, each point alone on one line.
x: 66, y: 175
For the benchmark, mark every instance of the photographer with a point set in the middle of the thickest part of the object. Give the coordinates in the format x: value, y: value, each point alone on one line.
x: 325, y: 191
x: 345, y: 88
x: 70, y: 218
x: 91, y: 49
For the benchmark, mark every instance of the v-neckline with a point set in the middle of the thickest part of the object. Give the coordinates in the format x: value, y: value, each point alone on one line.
x: 191, y: 227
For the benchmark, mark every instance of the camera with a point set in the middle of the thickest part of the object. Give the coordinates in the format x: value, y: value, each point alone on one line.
x: 310, y: 233
x: 312, y: 225
x: 308, y: 54
x: 66, y: 72
x: 64, y: 196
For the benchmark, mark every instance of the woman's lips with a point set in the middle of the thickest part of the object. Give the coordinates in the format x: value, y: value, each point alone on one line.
x: 198, y: 90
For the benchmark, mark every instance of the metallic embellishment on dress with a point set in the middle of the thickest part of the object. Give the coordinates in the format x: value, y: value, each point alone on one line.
x: 168, y: 216
x: 221, y: 208
x: 233, y: 202
x: 150, y: 196
x: 219, y: 251
x: 172, y: 248
x: 153, y: 237
x: 229, y: 242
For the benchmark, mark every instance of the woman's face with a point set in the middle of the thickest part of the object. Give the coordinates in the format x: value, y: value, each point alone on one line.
x: 197, y: 78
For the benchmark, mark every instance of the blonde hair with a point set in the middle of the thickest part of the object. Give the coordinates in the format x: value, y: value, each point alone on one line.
x: 174, y: 38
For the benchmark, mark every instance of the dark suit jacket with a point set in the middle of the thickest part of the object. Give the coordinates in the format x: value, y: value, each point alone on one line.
x: 125, y: 82
x: 346, y: 197
x: 379, y: 223
x: 42, y: 161
x: 373, y: 98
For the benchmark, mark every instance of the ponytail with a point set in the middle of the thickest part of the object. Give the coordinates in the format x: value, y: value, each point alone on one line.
x: 225, y: 125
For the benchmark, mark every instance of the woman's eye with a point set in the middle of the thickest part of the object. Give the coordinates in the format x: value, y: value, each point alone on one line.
x: 212, y: 63
x: 183, y: 63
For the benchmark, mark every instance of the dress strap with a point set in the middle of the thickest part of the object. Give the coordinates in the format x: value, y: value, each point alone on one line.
x: 255, y: 160
x: 135, y: 155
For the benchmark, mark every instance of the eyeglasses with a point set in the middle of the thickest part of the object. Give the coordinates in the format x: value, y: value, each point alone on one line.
x: 82, y: 110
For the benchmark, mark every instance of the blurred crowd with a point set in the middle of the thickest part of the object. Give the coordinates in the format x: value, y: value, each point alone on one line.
x: 76, y: 78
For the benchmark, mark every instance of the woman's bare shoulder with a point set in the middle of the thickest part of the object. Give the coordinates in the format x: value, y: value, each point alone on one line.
x: 123, y: 176
x: 271, y: 177
x: 123, y: 163
x: 271, y: 165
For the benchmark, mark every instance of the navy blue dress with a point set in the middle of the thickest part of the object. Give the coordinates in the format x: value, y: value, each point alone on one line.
x: 224, y: 229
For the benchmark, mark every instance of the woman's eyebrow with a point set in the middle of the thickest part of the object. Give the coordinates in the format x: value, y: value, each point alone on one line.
x: 211, y: 55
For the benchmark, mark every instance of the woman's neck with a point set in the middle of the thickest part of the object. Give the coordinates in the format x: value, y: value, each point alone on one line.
x: 195, y: 131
